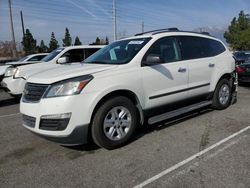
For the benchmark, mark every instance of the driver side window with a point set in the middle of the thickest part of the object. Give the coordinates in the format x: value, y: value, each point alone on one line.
x: 166, y: 48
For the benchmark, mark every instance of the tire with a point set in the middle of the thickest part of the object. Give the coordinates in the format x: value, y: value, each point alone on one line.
x: 110, y: 132
x: 222, y: 95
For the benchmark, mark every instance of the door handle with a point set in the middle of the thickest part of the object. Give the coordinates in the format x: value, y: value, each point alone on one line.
x: 211, y: 65
x: 182, y: 69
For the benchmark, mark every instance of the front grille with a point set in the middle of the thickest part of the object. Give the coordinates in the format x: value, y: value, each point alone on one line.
x: 34, y: 92
x: 54, y: 124
x: 29, y: 121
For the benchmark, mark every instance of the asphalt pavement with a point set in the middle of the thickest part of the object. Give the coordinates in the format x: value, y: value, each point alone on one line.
x: 159, y: 156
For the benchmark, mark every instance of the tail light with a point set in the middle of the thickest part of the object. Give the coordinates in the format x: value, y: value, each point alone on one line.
x: 240, y: 70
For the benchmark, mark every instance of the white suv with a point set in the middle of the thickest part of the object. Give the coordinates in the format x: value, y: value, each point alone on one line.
x: 15, y: 77
x: 144, y: 79
x: 30, y: 59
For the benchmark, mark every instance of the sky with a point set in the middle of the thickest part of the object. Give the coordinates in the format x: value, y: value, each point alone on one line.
x: 89, y: 19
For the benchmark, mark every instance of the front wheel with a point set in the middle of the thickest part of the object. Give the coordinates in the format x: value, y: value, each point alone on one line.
x: 222, y: 95
x: 114, y: 123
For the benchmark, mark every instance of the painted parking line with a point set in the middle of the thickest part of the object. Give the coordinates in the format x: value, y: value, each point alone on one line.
x: 9, y: 115
x: 182, y: 163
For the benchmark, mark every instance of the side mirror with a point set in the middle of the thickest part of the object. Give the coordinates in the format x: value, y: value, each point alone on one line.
x: 152, y: 59
x: 62, y: 60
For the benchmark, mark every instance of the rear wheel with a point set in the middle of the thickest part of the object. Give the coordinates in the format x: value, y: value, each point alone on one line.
x: 222, y: 95
x: 114, y: 123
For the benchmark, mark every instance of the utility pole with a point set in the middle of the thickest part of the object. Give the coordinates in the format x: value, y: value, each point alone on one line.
x: 22, y: 23
x: 114, y: 20
x: 142, y: 27
x: 12, y: 32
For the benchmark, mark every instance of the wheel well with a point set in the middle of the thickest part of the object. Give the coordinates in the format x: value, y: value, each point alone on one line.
x: 227, y: 76
x: 124, y: 93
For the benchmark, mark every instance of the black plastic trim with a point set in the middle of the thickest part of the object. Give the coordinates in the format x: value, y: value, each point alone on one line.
x: 78, y: 136
x: 179, y: 91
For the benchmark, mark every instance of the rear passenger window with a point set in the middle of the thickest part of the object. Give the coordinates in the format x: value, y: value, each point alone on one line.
x: 198, y: 47
x: 167, y: 48
x: 216, y: 47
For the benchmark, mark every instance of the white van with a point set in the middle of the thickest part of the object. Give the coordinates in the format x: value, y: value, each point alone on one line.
x: 15, y: 77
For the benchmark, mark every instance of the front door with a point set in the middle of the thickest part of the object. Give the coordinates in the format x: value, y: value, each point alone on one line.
x: 167, y: 81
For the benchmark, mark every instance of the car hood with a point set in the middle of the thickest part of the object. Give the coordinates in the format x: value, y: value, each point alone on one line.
x: 16, y: 63
x: 67, y: 71
x: 3, y: 69
x: 26, y: 71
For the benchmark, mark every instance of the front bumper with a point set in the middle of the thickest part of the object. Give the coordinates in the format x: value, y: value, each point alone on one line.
x: 14, y: 86
x: 76, y: 132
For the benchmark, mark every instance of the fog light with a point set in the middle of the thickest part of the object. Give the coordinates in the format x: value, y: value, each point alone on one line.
x: 56, y: 116
x: 55, y: 122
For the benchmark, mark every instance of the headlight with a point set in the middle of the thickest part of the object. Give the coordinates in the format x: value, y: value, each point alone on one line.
x: 68, y: 87
x: 10, y: 72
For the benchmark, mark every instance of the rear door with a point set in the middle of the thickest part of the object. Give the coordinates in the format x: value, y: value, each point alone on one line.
x: 167, y: 81
x: 201, y: 65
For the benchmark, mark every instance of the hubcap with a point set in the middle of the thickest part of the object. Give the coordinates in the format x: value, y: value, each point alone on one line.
x: 224, y: 94
x: 117, y: 123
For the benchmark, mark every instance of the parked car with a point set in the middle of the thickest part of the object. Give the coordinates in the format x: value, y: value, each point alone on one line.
x: 243, y: 71
x: 15, y: 78
x: 150, y: 77
x: 241, y: 56
x: 30, y: 59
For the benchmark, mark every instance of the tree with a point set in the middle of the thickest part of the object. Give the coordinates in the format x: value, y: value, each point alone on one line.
x: 42, y: 48
x: 107, y: 41
x: 29, y: 43
x: 67, y: 38
x: 97, y: 41
x: 53, y: 44
x: 238, y: 34
x: 77, y: 41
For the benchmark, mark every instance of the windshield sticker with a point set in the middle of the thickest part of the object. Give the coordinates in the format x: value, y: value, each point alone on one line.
x: 136, y: 42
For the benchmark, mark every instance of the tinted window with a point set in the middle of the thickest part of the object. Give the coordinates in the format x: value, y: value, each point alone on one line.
x: 90, y: 51
x: 37, y: 58
x: 198, y: 47
x: 214, y: 46
x: 75, y: 55
x: 52, y: 54
x: 167, y: 48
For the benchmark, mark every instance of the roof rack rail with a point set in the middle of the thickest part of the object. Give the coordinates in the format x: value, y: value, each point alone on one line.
x: 158, y: 31
x: 205, y: 33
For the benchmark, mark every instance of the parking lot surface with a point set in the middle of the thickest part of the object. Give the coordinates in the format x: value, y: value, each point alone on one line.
x: 161, y: 151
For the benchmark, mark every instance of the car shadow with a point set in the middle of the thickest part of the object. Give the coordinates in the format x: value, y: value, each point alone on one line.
x: 91, y: 147
x: 245, y: 85
x: 9, y: 102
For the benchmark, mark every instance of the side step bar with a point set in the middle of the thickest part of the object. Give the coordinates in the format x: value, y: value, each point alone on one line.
x: 174, y: 113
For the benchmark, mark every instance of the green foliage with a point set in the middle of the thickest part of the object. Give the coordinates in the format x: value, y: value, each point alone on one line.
x: 77, y: 41
x: 99, y: 41
x: 42, y: 48
x: 238, y: 34
x: 53, y: 44
x: 67, y: 41
x: 29, y: 43
x: 107, y: 41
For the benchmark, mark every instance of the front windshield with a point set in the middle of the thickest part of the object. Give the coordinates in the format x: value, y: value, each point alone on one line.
x: 52, y: 54
x: 24, y: 58
x: 119, y: 52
